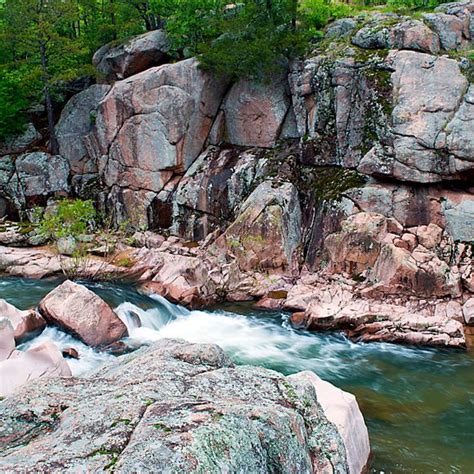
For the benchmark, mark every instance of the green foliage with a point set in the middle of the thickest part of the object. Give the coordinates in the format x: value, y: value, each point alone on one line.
x: 257, y: 39
x: 318, y: 13
x: 189, y: 23
x: 16, y: 94
x: 413, y: 4
x: 70, y: 218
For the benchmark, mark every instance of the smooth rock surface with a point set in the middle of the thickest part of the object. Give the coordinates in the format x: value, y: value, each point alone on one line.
x: 25, y: 323
x: 81, y: 312
x: 341, y: 408
x: 43, y: 361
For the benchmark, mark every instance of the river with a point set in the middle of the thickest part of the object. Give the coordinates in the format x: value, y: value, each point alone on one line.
x: 418, y: 403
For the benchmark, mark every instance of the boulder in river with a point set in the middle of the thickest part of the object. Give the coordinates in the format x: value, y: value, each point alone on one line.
x: 20, y: 367
x: 81, y: 312
x: 25, y: 323
x: 171, y: 407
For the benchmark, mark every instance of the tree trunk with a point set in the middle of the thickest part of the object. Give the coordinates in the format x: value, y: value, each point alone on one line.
x: 53, y: 141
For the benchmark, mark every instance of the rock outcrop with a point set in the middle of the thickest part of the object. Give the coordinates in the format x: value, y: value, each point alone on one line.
x: 18, y: 368
x: 341, y: 408
x: 25, y: 324
x: 154, y: 125
x: 115, y: 62
x: 181, y: 407
x: 81, y: 312
x: 355, y: 165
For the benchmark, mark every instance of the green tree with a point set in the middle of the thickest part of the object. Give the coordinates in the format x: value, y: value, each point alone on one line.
x: 40, y: 34
x: 257, y: 39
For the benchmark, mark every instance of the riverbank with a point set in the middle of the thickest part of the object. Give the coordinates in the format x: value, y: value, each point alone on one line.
x: 395, y: 386
x: 202, y: 276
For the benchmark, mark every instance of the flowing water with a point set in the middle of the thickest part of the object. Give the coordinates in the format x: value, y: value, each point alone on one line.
x: 418, y: 403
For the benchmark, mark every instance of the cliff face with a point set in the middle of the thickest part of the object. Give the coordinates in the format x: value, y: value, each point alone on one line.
x: 359, y: 161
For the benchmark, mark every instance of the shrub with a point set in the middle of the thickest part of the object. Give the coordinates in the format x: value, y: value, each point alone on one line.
x: 70, y: 218
x: 318, y: 13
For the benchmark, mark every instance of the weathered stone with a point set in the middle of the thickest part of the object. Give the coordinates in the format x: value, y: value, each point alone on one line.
x: 429, y: 95
x: 357, y: 247
x: 429, y: 236
x: 37, y: 176
x: 415, y: 35
x: 76, y: 123
x: 341, y: 28
x: 20, y: 143
x: 254, y: 113
x: 43, y: 361
x: 132, y: 56
x: 468, y: 311
x: 423, y: 275
x: 78, y: 310
x: 131, y: 414
x: 458, y: 209
x: 341, y: 408
x: 212, y: 189
x: 267, y: 232
x: 25, y: 324
x: 155, y: 124
x: 453, y: 31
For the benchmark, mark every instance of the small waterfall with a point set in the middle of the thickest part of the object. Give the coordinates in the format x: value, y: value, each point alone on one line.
x: 88, y: 360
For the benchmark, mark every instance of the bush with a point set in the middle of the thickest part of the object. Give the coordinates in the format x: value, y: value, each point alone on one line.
x: 255, y: 41
x: 70, y: 218
x: 318, y: 13
x: 15, y: 98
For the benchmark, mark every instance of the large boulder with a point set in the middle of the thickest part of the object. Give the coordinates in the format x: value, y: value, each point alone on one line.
x: 130, y: 415
x: 43, y: 361
x: 392, y: 32
x: 116, y: 62
x: 430, y: 134
x: 37, y: 176
x: 21, y: 142
x: 25, y: 323
x: 341, y: 408
x: 266, y: 233
x: 155, y: 124
x: 76, y: 123
x: 81, y: 312
x: 254, y: 113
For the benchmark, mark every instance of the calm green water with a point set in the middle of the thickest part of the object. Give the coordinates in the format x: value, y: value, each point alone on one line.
x: 418, y: 403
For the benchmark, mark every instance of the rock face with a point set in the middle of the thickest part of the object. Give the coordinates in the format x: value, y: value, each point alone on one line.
x: 25, y: 323
x: 154, y: 125
x: 212, y: 190
x: 31, y: 178
x: 74, y: 127
x: 18, y: 368
x: 267, y: 232
x: 80, y: 311
x: 341, y: 408
x: 254, y: 113
x: 428, y: 129
x: 20, y: 143
x: 133, y: 56
x: 235, y: 418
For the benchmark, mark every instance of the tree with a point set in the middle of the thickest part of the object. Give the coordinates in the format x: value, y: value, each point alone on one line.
x: 257, y: 39
x: 40, y: 33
